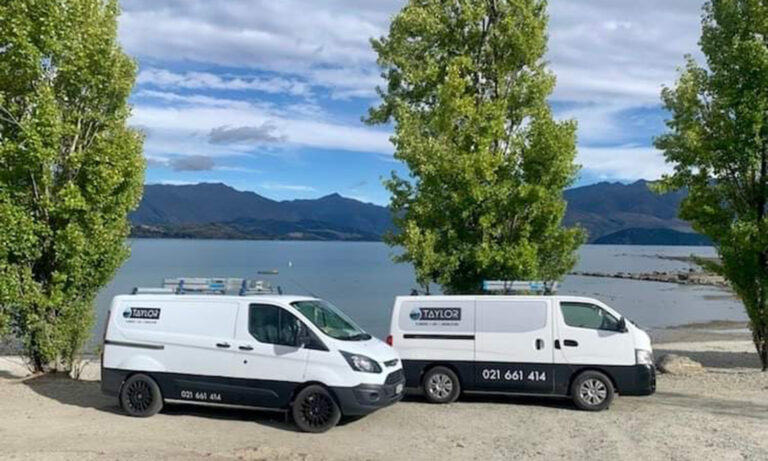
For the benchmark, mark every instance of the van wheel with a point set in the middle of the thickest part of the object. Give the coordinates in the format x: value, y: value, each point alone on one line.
x: 315, y: 409
x: 592, y: 391
x: 140, y: 396
x: 441, y: 385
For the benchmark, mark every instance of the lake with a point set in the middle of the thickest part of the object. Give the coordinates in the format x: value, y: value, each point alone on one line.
x: 361, y: 278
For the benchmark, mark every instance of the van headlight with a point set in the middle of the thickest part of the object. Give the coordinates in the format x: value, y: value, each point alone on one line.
x: 643, y: 357
x: 361, y: 363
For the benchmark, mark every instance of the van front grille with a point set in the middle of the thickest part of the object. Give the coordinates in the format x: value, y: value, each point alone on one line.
x: 394, y: 377
x: 391, y: 363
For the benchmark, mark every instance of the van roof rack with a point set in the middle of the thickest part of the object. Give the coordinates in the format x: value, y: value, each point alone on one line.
x: 210, y: 286
x: 516, y: 286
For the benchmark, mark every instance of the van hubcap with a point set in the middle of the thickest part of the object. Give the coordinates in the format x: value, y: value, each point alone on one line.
x: 139, y: 396
x: 317, y: 409
x: 593, y: 391
x: 440, y: 386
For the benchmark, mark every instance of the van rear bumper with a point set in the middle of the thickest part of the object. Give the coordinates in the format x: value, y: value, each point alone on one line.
x: 112, y: 380
x: 367, y: 398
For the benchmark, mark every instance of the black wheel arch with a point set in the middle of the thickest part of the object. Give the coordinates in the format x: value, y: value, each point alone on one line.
x: 598, y: 369
x: 305, y: 385
x: 426, y: 369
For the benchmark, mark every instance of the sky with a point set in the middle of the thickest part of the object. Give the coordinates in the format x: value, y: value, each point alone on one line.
x: 267, y: 96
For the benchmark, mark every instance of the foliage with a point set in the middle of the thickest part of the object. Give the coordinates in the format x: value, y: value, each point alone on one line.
x: 70, y: 169
x: 718, y: 144
x: 467, y: 90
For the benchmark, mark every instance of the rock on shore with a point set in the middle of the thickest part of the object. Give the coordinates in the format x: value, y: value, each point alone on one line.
x: 679, y: 365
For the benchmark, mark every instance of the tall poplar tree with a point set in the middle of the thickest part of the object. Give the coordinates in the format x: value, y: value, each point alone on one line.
x: 467, y: 92
x: 718, y: 144
x: 70, y: 168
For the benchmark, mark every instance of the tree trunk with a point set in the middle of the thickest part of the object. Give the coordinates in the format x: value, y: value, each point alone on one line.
x: 760, y: 337
x: 38, y: 364
x: 35, y: 356
x: 760, y: 331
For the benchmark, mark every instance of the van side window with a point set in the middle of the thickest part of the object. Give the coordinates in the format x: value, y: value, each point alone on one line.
x: 582, y: 315
x: 273, y: 325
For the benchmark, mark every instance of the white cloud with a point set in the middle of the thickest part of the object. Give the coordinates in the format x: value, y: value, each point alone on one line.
x: 173, y: 182
x: 293, y: 37
x: 287, y: 187
x: 611, y: 57
x: 623, y: 162
x: 204, y: 80
x: 184, y: 129
x: 612, y: 51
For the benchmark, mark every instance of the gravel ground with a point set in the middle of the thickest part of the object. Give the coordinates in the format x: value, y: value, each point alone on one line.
x: 719, y: 415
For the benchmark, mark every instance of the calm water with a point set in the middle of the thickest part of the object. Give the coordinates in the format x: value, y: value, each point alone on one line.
x: 361, y: 279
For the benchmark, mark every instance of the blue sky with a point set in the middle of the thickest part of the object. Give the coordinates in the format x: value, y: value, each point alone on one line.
x: 267, y: 95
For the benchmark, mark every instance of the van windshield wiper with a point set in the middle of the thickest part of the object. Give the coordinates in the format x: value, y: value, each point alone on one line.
x: 359, y: 337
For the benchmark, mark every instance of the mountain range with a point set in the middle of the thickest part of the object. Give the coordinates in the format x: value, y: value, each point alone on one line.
x: 610, y: 212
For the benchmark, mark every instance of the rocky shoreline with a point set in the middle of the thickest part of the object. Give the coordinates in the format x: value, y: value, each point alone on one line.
x: 695, y: 275
x: 681, y: 278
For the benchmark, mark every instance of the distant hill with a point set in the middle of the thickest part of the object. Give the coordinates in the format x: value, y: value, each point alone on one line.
x: 652, y: 237
x: 606, y: 208
x: 611, y: 213
x: 219, y: 211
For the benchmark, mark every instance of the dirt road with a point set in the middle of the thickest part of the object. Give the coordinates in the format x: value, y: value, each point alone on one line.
x: 720, y: 415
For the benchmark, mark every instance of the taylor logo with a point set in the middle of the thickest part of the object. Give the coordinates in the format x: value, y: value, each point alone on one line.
x: 143, y: 313
x: 436, y: 314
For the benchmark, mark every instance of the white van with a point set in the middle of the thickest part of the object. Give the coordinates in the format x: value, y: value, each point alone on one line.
x: 290, y: 353
x: 543, y: 345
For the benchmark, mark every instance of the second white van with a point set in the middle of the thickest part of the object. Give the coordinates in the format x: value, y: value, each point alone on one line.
x: 291, y: 353
x: 543, y: 345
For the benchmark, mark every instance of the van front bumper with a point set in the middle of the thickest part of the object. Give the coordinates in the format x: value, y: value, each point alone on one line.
x: 637, y: 380
x: 367, y: 398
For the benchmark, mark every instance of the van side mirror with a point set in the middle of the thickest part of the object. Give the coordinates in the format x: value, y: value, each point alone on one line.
x: 622, y: 325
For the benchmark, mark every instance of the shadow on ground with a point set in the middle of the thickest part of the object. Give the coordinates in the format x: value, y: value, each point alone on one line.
x: 716, y: 359
x: 556, y: 402
x: 87, y: 394
x: 5, y: 374
x: 714, y: 406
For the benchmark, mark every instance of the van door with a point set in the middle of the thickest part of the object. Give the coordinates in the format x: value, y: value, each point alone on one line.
x: 589, y: 335
x: 514, y: 345
x: 269, y: 363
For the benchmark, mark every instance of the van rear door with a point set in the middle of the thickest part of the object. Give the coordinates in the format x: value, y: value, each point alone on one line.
x: 189, y: 341
x: 514, y: 345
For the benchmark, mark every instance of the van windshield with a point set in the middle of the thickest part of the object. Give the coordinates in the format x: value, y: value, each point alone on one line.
x: 331, y: 320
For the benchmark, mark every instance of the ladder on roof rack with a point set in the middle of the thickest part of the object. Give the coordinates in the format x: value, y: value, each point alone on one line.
x: 214, y: 286
x: 512, y: 286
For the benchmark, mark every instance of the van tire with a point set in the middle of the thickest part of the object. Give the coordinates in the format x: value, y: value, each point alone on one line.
x: 592, y: 391
x: 315, y: 410
x: 441, y: 385
x: 140, y: 396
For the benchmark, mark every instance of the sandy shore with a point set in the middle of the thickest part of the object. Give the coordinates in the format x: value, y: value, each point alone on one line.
x: 720, y: 415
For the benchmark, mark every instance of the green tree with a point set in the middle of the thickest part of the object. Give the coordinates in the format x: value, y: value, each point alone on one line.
x: 467, y: 91
x: 70, y: 169
x: 718, y: 144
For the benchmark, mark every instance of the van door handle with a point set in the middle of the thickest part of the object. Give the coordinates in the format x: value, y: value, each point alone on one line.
x: 557, y: 344
x: 570, y: 343
x: 246, y: 348
x: 223, y: 345
x: 539, y: 344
